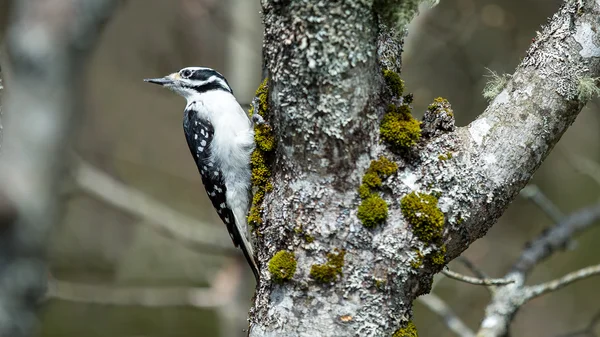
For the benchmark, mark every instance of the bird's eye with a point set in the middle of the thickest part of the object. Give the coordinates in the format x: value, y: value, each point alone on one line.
x: 185, y: 73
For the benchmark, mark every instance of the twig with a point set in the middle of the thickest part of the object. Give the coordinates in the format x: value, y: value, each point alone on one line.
x: 507, y: 299
x: 472, y: 267
x: 219, y: 294
x: 189, y: 232
x: 453, y: 322
x: 585, y: 166
x: 588, y: 331
x: 541, y: 289
x: 475, y: 280
x: 533, y: 193
x: 556, y: 238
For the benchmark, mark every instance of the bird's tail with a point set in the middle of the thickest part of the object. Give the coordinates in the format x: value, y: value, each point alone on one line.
x: 246, y: 247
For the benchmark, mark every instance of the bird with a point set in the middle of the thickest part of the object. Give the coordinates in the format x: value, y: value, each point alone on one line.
x: 220, y: 136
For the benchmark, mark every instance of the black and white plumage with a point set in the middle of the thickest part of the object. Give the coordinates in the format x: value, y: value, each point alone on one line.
x: 221, y: 139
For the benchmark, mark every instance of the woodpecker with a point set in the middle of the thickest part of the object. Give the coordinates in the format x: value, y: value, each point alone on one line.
x: 220, y: 137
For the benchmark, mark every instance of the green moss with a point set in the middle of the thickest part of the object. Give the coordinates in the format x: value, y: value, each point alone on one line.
x: 446, y: 156
x: 308, y: 238
x: 372, y: 211
x: 439, y: 105
x: 418, y: 261
x: 282, y: 266
x: 254, y: 217
x: 260, y: 171
x: 380, y: 168
x: 364, y: 191
x: 383, y: 167
x: 263, y: 98
x: 371, y: 179
x: 328, y: 272
x: 398, y: 128
x: 263, y: 137
x: 265, y: 144
x: 298, y: 229
x: 394, y: 82
x: 439, y: 256
x: 422, y: 212
x: 410, y: 330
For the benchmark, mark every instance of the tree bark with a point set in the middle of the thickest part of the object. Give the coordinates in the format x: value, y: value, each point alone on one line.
x: 326, y: 98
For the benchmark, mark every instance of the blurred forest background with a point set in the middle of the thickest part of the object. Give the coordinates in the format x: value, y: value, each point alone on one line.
x: 116, y: 274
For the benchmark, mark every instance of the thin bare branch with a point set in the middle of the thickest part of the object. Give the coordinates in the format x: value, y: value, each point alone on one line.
x: 556, y: 238
x: 588, y: 331
x: 474, y: 280
x: 586, y: 166
x: 219, y: 294
x: 472, y: 267
x: 189, y: 232
x: 453, y: 322
x: 544, y: 288
x: 506, y: 300
x: 533, y: 193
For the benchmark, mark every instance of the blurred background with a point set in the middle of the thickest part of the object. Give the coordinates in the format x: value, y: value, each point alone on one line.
x: 119, y: 273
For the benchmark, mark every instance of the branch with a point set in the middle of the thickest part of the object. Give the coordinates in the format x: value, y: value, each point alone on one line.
x: 453, y: 322
x: 47, y: 47
x: 544, y: 288
x: 533, y: 193
x: 585, y: 166
x: 475, y: 280
x: 191, y: 233
x: 220, y: 293
x: 507, y: 300
x: 326, y: 115
x: 556, y: 238
x: 588, y: 331
x: 472, y: 267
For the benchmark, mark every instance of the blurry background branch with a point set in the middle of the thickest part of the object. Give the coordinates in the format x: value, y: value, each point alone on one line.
x: 224, y: 286
x: 189, y: 232
x: 507, y: 300
x: 452, y: 321
x: 510, y: 293
x: 47, y: 45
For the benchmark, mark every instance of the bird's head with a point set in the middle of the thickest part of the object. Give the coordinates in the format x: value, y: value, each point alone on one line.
x: 193, y: 81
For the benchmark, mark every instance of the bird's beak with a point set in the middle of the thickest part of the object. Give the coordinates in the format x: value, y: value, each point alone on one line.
x: 169, y: 79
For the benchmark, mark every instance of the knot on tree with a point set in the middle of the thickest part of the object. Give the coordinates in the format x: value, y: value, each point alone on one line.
x: 438, y: 119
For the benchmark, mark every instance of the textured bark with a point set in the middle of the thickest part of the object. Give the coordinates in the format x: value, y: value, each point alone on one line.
x: 46, y: 44
x: 326, y: 97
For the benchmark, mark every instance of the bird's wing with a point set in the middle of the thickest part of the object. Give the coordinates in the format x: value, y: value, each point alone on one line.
x: 199, y: 134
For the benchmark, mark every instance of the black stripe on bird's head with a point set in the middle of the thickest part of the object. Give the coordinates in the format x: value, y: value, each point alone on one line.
x: 193, y: 80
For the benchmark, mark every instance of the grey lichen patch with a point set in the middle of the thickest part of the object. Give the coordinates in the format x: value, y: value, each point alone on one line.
x: 586, y: 36
x: 313, y: 64
x: 563, y: 27
x: 389, y: 49
x: 495, y: 84
x: 588, y: 88
x: 438, y: 118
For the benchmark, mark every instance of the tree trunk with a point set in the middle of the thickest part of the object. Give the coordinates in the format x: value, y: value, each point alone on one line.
x: 326, y: 98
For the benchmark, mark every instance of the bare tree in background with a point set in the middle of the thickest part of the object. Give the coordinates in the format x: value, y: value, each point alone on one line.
x: 326, y: 97
x: 47, y: 46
